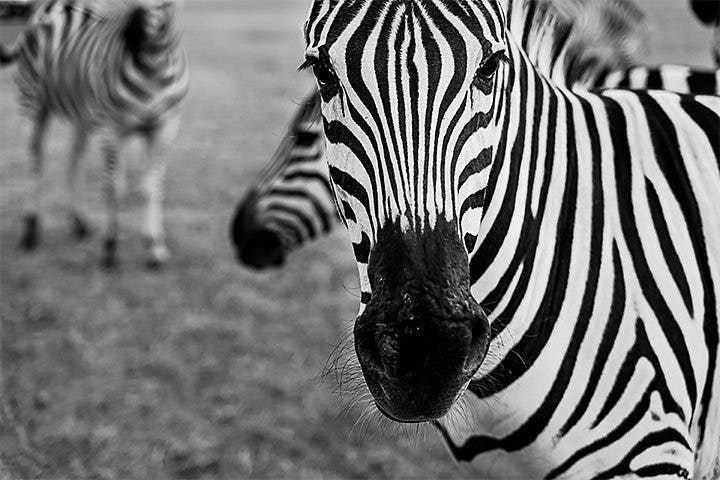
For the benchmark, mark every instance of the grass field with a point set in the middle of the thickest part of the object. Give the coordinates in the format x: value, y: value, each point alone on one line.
x: 203, y: 370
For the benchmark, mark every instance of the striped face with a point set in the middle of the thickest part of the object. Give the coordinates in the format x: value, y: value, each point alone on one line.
x: 410, y: 91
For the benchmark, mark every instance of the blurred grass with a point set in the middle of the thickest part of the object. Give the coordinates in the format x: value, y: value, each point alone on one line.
x: 204, y: 370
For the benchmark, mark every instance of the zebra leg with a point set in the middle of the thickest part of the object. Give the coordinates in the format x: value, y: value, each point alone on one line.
x: 79, y: 225
x: 153, y: 186
x: 31, y: 222
x: 153, y: 189
x: 716, y: 44
x: 112, y: 201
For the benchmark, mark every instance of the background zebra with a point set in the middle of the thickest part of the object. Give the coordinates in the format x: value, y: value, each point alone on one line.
x: 103, y: 64
x: 292, y: 202
x: 553, y: 251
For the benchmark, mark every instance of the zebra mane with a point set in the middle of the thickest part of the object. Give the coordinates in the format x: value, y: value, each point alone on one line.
x: 309, y: 111
x: 576, y: 41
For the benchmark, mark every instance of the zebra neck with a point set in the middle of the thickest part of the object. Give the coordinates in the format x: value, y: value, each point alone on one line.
x: 520, y: 268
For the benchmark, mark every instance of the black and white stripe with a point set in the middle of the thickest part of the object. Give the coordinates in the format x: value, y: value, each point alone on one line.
x: 111, y: 65
x: 549, y: 255
x: 292, y: 203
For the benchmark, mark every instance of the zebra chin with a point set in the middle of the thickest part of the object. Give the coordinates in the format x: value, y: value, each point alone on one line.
x: 422, y: 336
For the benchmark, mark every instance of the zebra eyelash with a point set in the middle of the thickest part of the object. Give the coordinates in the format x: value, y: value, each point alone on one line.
x: 500, y: 56
x: 307, y: 64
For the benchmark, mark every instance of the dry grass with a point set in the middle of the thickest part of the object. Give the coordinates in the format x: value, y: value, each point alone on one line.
x: 204, y: 370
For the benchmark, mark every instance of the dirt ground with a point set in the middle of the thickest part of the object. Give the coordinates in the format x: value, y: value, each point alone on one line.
x: 204, y: 370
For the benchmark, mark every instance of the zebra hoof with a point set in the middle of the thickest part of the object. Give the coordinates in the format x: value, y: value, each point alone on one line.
x: 31, y: 235
x: 109, y: 260
x: 109, y: 264
x: 159, y: 256
x: 80, y: 228
x: 154, y: 265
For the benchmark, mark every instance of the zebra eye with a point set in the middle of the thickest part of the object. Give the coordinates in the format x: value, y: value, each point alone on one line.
x: 486, y: 72
x: 489, y: 67
x: 324, y: 75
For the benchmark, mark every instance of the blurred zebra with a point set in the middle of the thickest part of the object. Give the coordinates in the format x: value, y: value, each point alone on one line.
x: 674, y: 78
x: 115, y: 66
x: 292, y: 202
x: 708, y: 12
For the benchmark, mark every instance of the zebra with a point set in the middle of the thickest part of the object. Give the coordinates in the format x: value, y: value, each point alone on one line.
x: 114, y: 66
x: 546, y: 258
x: 292, y: 204
x: 708, y: 12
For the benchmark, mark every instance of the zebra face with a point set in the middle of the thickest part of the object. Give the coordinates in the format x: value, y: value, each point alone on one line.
x: 409, y: 91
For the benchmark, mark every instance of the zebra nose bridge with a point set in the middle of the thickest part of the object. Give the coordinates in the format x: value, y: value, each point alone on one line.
x: 421, y: 272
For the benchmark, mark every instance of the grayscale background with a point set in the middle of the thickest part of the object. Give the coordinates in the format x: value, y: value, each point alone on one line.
x: 204, y: 370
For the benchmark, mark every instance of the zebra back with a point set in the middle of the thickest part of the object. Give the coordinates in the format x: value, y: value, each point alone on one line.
x: 103, y: 62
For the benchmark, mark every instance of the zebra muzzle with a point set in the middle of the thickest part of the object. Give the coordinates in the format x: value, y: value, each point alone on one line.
x: 422, y: 336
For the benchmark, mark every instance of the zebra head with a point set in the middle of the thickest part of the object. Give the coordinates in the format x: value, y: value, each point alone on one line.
x: 154, y: 25
x: 410, y: 91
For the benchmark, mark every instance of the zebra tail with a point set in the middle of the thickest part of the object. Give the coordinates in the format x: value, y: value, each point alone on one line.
x: 7, y: 54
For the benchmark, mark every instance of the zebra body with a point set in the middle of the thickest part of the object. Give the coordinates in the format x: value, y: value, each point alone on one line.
x: 673, y: 78
x: 639, y: 343
x: 546, y: 258
x: 292, y: 202
x: 111, y: 66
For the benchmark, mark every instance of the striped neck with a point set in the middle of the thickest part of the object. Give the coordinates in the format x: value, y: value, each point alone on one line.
x: 519, y: 211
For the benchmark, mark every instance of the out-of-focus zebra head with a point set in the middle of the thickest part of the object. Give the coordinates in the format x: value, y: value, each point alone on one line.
x: 292, y: 202
x: 410, y: 91
x: 156, y: 24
